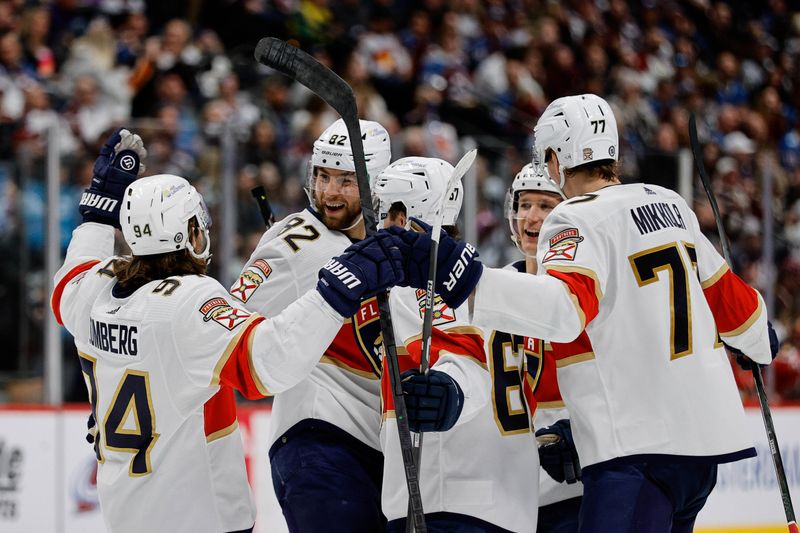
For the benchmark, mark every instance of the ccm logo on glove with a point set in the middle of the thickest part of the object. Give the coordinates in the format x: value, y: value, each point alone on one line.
x: 460, y: 266
x: 100, y: 202
x: 340, y: 271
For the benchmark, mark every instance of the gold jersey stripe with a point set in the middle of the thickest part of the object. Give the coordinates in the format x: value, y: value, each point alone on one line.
x: 558, y: 404
x: 340, y: 364
x: 226, y: 354
x: 598, y: 293
x: 574, y: 359
x: 224, y: 432
x: 749, y: 322
x: 715, y: 277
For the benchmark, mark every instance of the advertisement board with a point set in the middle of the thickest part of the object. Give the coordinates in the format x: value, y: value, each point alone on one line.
x: 48, y: 474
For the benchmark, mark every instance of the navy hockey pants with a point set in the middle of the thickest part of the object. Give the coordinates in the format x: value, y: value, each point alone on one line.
x: 559, y: 517
x: 327, y: 484
x: 644, y: 497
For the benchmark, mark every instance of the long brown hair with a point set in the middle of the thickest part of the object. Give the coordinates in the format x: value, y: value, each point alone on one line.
x: 135, y: 271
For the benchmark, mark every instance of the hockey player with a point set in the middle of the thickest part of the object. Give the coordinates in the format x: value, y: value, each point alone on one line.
x: 531, y: 198
x: 452, y: 401
x: 325, y: 449
x: 162, y: 346
x: 639, y: 299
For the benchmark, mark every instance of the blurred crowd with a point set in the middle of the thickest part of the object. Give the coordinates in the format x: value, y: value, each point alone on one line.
x: 434, y: 73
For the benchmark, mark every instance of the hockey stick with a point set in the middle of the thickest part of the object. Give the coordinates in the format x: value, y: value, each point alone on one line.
x: 766, y: 414
x: 309, y: 72
x: 460, y: 169
x: 260, y: 194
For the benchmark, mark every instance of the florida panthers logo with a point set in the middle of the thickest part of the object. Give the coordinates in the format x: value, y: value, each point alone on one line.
x: 442, y: 314
x: 367, y: 330
x: 563, y: 246
x: 250, y: 280
x: 221, y: 312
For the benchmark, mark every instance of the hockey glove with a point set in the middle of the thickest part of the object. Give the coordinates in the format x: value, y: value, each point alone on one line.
x: 433, y: 400
x: 557, y: 453
x: 458, y: 270
x: 118, y: 164
x: 364, y: 269
x: 744, y: 362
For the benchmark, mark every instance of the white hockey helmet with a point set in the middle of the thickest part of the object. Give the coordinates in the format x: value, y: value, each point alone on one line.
x: 332, y: 149
x: 531, y: 177
x: 418, y: 183
x: 155, y: 216
x: 579, y: 129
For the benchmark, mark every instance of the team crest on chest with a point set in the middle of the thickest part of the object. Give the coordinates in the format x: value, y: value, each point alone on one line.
x: 250, y: 280
x: 221, y: 312
x: 367, y: 330
x: 563, y: 246
x: 442, y: 314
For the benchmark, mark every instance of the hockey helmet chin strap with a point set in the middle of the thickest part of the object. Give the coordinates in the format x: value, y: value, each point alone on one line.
x: 561, y: 181
x: 358, y: 219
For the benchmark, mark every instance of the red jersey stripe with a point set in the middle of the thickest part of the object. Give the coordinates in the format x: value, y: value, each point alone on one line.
x: 236, y: 369
x: 462, y: 341
x: 584, y: 286
x: 55, y: 301
x: 733, y: 302
x: 219, y: 414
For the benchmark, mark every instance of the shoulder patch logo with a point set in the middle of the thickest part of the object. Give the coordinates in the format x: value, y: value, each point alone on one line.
x: 221, y: 312
x: 250, y: 280
x: 563, y: 245
x: 442, y: 314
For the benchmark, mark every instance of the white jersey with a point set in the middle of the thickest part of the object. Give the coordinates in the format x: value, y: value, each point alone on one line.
x: 540, y: 390
x: 160, y: 364
x: 637, y: 293
x: 344, y: 389
x: 486, y: 466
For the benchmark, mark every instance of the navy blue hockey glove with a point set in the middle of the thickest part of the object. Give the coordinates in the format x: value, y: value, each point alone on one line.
x: 364, y: 269
x: 744, y: 362
x: 118, y: 164
x: 458, y: 269
x: 433, y: 400
x: 557, y: 453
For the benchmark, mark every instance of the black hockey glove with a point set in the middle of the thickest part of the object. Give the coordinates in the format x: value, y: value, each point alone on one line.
x: 364, y: 269
x: 433, y: 400
x: 744, y: 362
x: 118, y: 164
x: 458, y: 269
x: 557, y: 453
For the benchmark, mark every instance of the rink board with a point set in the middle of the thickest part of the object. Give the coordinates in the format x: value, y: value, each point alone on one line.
x: 47, y: 474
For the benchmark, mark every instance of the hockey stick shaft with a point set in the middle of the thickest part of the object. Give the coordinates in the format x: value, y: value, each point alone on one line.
x: 260, y: 194
x: 766, y: 413
x: 458, y: 172
x: 309, y: 72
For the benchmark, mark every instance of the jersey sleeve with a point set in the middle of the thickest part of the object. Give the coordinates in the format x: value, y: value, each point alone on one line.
x: 225, y: 345
x: 91, y: 244
x: 575, y: 253
x: 739, y: 311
